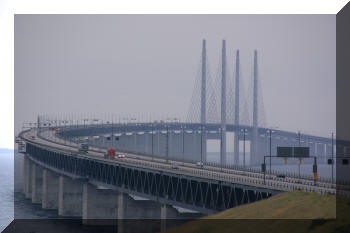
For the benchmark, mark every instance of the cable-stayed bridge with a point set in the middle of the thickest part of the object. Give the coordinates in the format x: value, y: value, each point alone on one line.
x: 168, y: 162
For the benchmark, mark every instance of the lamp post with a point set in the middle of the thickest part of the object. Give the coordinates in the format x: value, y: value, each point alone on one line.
x: 221, y: 159
x: 183, y: 144
x: 201, y: 128
x: 167, y: 143
x: 244, y: 133
x: 270, y: 135
x: 332, y: 154
x: 152, y: 141
x: 84, y: 121
x: 299, y: 158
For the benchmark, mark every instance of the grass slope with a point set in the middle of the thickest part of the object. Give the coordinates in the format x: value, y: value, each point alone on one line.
x: 288, y: 205
x: 310, y: 212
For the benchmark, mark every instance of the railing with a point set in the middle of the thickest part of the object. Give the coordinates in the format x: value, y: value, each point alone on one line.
x: 253, y: 177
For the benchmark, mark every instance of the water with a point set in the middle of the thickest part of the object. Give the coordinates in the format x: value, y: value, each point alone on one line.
x: 6, y: 190
x: 13, y: 202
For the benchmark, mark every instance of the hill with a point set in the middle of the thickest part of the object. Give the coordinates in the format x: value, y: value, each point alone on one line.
x: 285, y: 212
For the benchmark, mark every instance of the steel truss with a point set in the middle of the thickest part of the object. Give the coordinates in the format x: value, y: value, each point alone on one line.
x: 204, y: 195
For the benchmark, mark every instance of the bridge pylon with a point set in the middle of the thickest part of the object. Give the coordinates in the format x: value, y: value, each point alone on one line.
x: 254, y: 140
x: 203, y: 102
x: 236, y: 138
x: 223, y: 106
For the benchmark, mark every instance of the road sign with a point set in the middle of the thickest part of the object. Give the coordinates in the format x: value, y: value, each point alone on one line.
x: 284, y: 151
x: 288, y: 151
x: 301, y: 152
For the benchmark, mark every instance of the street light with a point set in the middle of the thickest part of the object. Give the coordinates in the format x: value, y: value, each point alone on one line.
x: 152, y: 141
x: 201, y: 128
x: 183, y: 144
x: 84, y: 121
x: 270, y: 133
x: 221, y: 159
x: 332, y: 154
x: 244, y: 133
x: 299, y: 158
x: 167, y: 143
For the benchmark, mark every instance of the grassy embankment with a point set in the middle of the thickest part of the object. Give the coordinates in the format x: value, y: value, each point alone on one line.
x: 310, y: 212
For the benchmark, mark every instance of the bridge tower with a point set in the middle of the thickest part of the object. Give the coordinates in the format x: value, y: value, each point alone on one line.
x: 203, y: 103
x: 254, y: 142
x: 223, y: 106
x: 236, y: 139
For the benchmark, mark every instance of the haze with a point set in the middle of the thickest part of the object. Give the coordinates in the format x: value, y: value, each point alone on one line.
x: 146, y: 64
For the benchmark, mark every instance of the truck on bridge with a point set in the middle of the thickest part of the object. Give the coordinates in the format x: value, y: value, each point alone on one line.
x: 84, y: 147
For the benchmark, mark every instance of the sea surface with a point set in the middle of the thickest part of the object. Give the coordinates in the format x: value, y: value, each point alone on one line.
x: 6, y: 190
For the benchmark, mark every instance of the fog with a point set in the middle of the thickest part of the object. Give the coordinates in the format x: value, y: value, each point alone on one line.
x: 141, y: 65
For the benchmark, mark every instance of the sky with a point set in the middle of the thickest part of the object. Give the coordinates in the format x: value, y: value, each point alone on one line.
x: 138, y: 65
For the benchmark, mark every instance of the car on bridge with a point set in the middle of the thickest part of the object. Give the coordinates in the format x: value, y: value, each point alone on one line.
x: 84, y: 147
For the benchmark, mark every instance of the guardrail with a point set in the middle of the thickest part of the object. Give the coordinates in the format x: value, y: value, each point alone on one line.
x: 250, y: 179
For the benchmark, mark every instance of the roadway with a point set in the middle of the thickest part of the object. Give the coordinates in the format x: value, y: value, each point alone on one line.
x: 48, y: 138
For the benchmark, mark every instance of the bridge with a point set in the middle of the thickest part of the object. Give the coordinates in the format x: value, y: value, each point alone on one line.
x: 165, y: 162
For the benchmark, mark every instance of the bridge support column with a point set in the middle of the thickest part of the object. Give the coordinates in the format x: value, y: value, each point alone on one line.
x: 69, y: 197
x: 27, y: 179
x: 99, y: 205
x: 166, y: 212
x: 163, y: 217
x: 223, y: 106
x: 236, y: 139
x: 50, y: 190
x: 120, y: 212
x: 37, y: 182
x: 254, y: 144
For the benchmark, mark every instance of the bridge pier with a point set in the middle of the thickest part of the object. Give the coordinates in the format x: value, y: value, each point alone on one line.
x: 163, y: 216
x: 99, y: 206
x: 120, y: 212
x: 50, y: 190
x: 37, y: 182
x: 69, y: 197
x: 27, y: 180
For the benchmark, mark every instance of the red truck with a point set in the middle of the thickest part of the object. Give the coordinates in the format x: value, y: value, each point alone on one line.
x: 110, y: 153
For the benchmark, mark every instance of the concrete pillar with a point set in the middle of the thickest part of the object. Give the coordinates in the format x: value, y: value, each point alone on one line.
x: 50, y: 190
x: 99, y: 205
x: 236, y: 138
x: 223, y: 106
x: 163, y: 217
x: 120, y: 213
x: 253, y: 146
x: 37, y: 182
x: 69, y: 197
x: 27, y: 179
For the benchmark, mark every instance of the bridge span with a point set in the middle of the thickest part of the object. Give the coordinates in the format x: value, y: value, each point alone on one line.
x: 58, y: 176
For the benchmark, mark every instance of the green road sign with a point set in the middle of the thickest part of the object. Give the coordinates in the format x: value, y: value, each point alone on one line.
x: 301, y: 152
x: 284, y: 151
